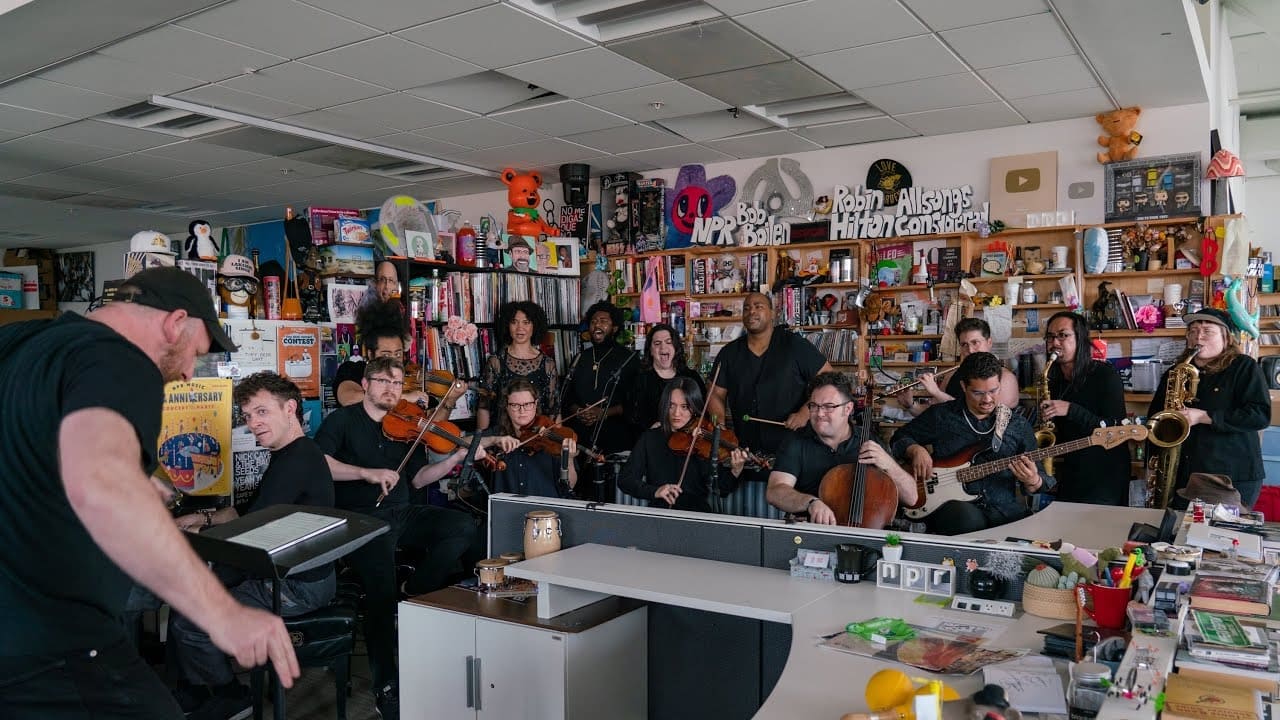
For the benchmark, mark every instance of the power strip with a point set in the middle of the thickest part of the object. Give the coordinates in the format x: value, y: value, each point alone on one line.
x: 1002, y: 608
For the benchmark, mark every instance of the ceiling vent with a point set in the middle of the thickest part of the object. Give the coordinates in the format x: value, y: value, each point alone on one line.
x: 818, y: 110
x: 178, y: 123
x: 605, y: 20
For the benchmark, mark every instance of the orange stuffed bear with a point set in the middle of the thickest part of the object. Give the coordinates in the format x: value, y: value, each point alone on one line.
x: 1120, y: 140
x: 523, y: 197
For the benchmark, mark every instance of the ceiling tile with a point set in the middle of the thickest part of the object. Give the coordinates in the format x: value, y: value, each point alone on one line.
x: 108, y: 75
x: 32, y: 192
x: 159, y: 191
x: 242, y: 102
x: 638, y: 103
x: 496, y: 36
x: 137, y: 167
x: 346, y: 158
x: 22, y: 121
x: 677, y: 156
x: 186, y: 52
x: 480, y: 133
x: 771, y: 142
x: 258, y: 140
x: 453, y: 187
x: 763, y: 84
x: 14, y: 166
x: 1005, y: 42
x: 277, y: 165
x: 51, y: 97
x: 886, y: 63
x: 562, y: 117
x: 1062, y: 105
x: 107, y: 135
x: 929, y: 94
x: 304, y: 85
x: 949, y: 14
x: 67, y: 180
x: 1040, y: 77
x: 628, y: 138
x: 482, y: 93
x: 586, y: 72
x: 530, y: 155
x: 357, y: 182
x: 854, y: 132
x: 702, y: 49
x: 281, y: 27
x: 63, y: 153
x: 740, y: 7
x: 714, y: 125
x: 817, y: 26
x: 205, y: 154
x: 392, y: 15
x: 349, y: 125
x: 618, y: 163
x: 212, y: 182
x: 415, y: 143
x: 401, y: 111
x: 963, y: 119
x: 5, y: 135
x: 392, y: 63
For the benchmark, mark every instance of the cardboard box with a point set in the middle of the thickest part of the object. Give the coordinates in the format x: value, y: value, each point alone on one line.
x: 10, y: 290
x: 46, y: 261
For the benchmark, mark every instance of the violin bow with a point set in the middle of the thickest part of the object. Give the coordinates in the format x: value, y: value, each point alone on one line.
x: 457, y: 385
x: 693, y: 437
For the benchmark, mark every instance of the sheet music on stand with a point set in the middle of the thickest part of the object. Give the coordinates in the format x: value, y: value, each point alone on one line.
x: 287, y: 531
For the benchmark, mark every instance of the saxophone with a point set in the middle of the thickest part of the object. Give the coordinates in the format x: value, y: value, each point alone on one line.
x: 1169, y: 429
x: 1044, y: 430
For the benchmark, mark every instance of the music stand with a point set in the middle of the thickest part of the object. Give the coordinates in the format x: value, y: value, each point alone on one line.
x: 214, y: 545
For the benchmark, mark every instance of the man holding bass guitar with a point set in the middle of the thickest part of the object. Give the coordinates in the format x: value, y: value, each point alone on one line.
x: 830, y: 439
x: 975, y: 419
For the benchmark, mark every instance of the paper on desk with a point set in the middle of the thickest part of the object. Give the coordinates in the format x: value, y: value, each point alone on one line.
x: 1030, y: 683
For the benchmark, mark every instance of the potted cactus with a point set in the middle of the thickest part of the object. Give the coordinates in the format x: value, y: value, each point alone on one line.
x: 892, y: 548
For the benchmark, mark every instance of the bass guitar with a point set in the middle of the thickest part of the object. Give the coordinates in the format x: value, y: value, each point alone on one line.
x: 950, y: 475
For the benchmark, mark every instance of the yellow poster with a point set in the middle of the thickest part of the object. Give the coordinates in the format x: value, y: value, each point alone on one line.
x: 298, y: 357
x: 195, y: 436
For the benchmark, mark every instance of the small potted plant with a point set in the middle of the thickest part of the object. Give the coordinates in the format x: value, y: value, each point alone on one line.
x: 892, y: 548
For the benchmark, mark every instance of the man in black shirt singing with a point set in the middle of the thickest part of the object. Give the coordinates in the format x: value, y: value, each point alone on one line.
x: 830, y: 439
x: 601, y: 372
x: 763, y: 374
x: 296, y: 475
x: 977, y: 419
x: 363, y: 463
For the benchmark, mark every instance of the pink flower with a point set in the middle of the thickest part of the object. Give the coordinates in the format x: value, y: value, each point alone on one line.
x: 455, y: 323
x: 1147, y: 316
x: 458, y: 331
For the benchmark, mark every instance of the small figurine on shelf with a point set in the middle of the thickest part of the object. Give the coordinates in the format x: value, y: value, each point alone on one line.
x: 786, y: 266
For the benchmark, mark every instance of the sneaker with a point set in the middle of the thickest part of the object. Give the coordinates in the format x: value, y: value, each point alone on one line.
x: 387, y: 703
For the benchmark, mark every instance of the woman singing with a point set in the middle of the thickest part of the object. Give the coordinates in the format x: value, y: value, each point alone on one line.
x: 521, y: 325
x: 1231, y: 405
x: 663, y: 360
x: 653, y: 471
x: 527, y: 473
x: 1085, y: 393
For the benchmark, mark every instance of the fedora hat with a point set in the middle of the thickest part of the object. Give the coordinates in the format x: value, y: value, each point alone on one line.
x: 1210, y: 487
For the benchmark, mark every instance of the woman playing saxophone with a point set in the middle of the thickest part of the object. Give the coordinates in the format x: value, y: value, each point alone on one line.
x: 1224, y: 413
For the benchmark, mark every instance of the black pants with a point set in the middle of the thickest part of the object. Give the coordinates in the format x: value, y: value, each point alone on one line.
x: 957, y: 517
x: 99, y: 684
x: 451, y: 542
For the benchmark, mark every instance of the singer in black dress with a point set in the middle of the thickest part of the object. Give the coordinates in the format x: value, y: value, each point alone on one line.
x: 663, y: 360
x: 653, y: 472
x: 527, y: 473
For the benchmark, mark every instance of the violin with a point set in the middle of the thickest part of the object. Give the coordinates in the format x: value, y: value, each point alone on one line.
x: 681, y: 440
x: 544, y: 435
x: 438, y: 383
x: 406, y: 422
x: 860, y: 495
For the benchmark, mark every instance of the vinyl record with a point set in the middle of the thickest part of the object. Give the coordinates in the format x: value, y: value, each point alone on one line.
x: 890, y: 176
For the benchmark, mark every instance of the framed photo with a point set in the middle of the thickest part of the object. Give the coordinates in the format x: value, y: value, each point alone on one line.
x: 420, y: 245
x: 565, y: 255
x: 1153, y: 188
x: 519, y: 255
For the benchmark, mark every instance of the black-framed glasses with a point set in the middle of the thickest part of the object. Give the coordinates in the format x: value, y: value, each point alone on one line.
x: 521, y: 407
x: 1058, y: 336
x: 826, y: 407
x: 385, y: 381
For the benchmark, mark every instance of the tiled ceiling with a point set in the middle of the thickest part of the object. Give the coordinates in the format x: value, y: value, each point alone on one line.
x: 623, y: 84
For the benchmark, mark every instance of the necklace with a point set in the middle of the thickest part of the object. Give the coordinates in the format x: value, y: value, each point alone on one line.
x: 965, y: 412
x: 595, y: 365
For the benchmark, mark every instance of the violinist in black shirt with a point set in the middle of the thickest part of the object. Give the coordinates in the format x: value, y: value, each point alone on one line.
x: 528, y: 472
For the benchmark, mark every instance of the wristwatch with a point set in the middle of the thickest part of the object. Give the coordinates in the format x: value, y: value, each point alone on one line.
x: 809, y: 504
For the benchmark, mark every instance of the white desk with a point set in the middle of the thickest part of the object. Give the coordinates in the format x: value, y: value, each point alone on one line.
x: 1091, y: 526
x: 816, y: 682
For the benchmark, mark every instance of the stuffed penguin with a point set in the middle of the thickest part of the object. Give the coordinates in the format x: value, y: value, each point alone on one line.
x: 200, y: 244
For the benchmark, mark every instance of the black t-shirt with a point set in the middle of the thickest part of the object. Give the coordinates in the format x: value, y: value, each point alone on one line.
x: 769, y: 386
x: 589, y: 381
x: 58, y: 591
x: 653, y: 464
x: 644, y: 396
x: 807, y: 458
x: 1095, y: 474
x: 297, y: 475
x: 352, y: 370
x: 349, y: 435
x: 537, y: 474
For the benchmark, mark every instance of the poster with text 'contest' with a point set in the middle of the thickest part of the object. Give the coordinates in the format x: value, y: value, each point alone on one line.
x: 195, y: 436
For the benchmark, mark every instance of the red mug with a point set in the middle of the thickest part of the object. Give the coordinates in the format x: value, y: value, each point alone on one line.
x: 1109, y: 604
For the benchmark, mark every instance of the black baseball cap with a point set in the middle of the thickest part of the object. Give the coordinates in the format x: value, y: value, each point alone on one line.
x: 171, y: 288
x: 1211, y: 315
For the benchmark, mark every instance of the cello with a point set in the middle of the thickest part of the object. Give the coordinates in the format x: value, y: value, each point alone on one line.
x: 860, y: 494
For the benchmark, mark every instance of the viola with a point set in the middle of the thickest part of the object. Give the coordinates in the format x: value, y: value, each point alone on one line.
x: 407, y: 421
x: 681, y: 440
x: 860, y: 495
x: 544, y: 435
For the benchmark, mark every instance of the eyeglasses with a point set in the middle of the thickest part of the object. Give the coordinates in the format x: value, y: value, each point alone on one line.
x: 521, y: 407
x: 1058, y: 336
x: 826, y: 407
x: 984, y: 394
x: 385, y: 381
x: 237, y: 284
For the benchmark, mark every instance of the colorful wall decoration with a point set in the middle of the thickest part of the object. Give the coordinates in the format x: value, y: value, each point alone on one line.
x: 694, y: 197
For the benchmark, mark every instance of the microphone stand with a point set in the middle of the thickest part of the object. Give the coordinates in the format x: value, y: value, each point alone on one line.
x: 612, y: 384
x: 713, y: 491
x: 564, y: 384
x: 469, y: 473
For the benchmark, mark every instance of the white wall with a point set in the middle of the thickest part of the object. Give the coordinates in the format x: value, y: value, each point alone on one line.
x: 951, y: 160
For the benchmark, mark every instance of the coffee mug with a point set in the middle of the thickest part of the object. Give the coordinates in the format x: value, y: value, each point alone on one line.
x: 1059, y: 256
x: 853, y: 561
x: 1108, y: 603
